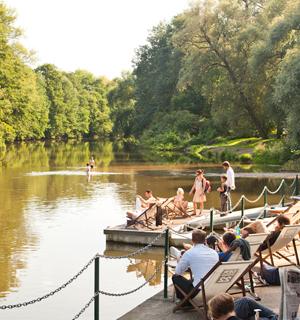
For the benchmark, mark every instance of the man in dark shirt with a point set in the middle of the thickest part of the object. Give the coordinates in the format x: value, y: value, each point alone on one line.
x: 281, y: 222
x: 223, y: 307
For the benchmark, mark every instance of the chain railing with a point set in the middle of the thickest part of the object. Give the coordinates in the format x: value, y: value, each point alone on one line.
x: 113, y: 295
x: 95, y: 297
x: 26, y: 303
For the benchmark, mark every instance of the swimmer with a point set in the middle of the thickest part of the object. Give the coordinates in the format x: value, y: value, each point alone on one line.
x: 88, y: 169
x: 92, y: 163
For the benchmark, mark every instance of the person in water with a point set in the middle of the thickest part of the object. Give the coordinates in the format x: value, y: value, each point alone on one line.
x: 92, y: 163
x: 88, y: 168
x: 199, y: 191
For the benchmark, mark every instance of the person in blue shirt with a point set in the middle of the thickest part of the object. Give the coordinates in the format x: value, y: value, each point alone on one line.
x: 225, y: 245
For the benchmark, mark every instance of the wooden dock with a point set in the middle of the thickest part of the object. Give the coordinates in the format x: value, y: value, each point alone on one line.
x: 143, y: 236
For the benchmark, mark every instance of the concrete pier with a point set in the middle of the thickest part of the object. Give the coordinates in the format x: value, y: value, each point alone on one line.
x: 158, y: 308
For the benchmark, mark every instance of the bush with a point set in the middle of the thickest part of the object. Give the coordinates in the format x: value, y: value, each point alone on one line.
x: 274, y: 153
x: 245, y: 158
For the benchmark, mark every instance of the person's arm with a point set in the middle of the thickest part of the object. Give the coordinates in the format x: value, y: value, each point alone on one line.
x: 193, y: 188
x: 221, y: 188
x: 272, y: 238
x: 182, y: 265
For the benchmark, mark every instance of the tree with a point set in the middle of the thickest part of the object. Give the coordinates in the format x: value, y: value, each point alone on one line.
x: 121, y: 99
x: 216, y: 39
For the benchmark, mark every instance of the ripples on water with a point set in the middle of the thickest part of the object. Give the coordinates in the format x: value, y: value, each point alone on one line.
x: 52, y: 217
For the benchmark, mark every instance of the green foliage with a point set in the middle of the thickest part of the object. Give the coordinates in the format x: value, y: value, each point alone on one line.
x: 121, y: 99
x: 272, y: 153
x: 245, y: 158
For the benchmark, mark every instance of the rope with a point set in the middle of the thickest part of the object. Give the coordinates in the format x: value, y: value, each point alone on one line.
x: 24, y: 304
x: 258, y: 198
x: 278, y: 189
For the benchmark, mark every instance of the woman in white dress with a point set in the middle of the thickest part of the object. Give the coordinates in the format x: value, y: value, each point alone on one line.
x: 199, y: 191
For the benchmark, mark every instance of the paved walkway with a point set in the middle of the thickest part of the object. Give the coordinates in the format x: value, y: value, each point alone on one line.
x: 157, y: 308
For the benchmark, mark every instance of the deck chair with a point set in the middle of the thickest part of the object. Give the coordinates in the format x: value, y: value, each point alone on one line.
x: 145, y: 219
x: 221, y: 278
x: 287, y: 235
x: 174, y: 211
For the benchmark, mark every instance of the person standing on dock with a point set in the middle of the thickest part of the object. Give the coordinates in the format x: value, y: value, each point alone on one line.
x: 199, y: 191
x: 230, y: 181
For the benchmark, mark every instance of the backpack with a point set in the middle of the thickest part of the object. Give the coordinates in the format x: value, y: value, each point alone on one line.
x: 207, y: 187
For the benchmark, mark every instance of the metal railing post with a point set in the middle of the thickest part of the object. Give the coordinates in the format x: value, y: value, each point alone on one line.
x: 211, y: 221
x: 282, y: 195
x: 296, y: 186
x: 265, y: 202
x: 96, y: 289
x: 242, y: 212
x: 166, y: 263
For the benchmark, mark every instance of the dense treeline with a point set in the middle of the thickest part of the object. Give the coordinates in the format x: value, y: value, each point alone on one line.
x: 223, y: 68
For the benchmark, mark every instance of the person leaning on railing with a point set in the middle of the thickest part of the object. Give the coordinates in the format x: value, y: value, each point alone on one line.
x: 223, y: 307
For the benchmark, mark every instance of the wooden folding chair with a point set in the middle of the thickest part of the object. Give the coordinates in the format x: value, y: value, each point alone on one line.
x: 221, y: 278
x: 145, y: 219
x: 287, y: 235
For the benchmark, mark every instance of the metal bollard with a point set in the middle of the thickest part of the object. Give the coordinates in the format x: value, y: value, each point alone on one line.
x: 282, y: 194
x: 297, y: 186
x: 96, y: 289
x: 242, y: 212
x: 166, y: 263
x: 265, y: 202
x: 211, y: 222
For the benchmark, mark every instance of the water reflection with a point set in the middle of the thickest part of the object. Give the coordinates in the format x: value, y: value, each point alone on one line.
x: 143, y: 265
x: 52, y: 216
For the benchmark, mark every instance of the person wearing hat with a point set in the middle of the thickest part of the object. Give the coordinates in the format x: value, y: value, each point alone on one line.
x: 230, y: 180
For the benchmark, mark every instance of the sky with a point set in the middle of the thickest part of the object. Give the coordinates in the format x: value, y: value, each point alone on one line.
x: 95, y: 35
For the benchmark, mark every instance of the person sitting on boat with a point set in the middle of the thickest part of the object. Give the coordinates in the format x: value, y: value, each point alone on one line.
x: 180, y: 205
x: 142, y: 204
x: 199, y: 259
x: 223, y: 307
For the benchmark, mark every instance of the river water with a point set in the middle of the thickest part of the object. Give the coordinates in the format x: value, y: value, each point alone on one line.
x: 52, y: 218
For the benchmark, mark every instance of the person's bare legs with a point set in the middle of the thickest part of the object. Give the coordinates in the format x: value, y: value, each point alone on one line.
x: 201, y: 207
x: 258, y: 226
x: 195, y: 208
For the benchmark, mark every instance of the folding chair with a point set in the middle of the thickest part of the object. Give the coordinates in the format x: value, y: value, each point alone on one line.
x: 221, y: 278
x: 145, y: 219
x: 287, y: 235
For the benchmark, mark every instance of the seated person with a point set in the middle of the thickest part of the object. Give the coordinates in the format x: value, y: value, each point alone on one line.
x: 280, y: 223
x: 223, y: 307
x: 225, y: 244
x: 179, y: 201
x: 199, y: 259
x: 142, y: 204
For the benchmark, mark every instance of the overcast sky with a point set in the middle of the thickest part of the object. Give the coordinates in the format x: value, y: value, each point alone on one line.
x: 96, y: 35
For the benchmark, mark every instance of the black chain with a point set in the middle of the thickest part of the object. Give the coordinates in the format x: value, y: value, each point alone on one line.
x: 24, y: 304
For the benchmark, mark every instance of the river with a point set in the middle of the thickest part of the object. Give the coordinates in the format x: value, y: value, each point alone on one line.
x: 52, y: 219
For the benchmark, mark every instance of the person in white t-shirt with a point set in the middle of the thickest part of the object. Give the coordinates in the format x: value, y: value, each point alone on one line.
x: 230, y: 180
